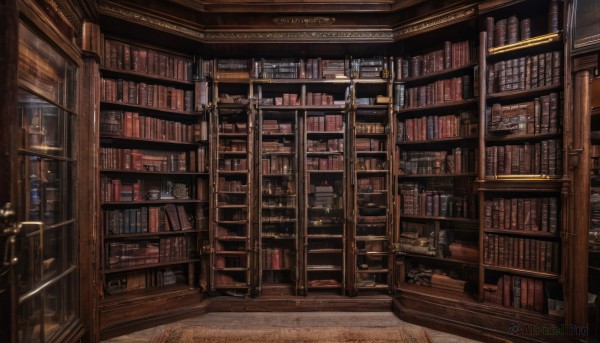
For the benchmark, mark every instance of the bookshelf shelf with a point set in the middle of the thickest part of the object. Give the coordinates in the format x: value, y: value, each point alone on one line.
x: 371, y: 271
x: 324, y: 153
x: 148, y: 266
x: 523, y: 94
x: 324, y: 133
x: 344, y: 81
x: 372, y: 171
x: 371, y: 107
x: 231, y: 238
x: 437, y: 75
x: 147, y: 172
x: 152, y: 202
x: 137, y: 142
x: 443, y: 141
x: 529, y: 233
x: 106, y: 104
x: 523, y: 272
x: 522, y: 137
x: 452, y: 219
x: 325, y: 251
x: 440, y: 259
x: 417, y: 176
x: 147, y: 235
x: 133, y: 75
x: 437, y: 107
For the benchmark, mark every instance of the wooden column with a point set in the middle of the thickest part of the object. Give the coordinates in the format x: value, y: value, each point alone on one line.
x: 9, y: 50
x: 579, y: 157
x: 87, y: 138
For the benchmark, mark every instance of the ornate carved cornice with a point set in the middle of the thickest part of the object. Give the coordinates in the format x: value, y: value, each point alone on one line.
x: 297, y: 35
x: 434, y: 22
x: 113, y: 10
x: 155, y: 21
x: 304, y: 21
x: 583, y: 42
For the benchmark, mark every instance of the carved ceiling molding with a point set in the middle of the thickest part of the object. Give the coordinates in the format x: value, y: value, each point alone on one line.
x: 304, y: 21
x: 297, y: 35
x: 436, y: 21
x: 63, y: 9
x: 583, y: 42
x: 114, y: 10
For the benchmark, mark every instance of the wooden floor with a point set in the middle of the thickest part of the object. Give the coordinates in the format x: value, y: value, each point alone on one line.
x: 295, y: 319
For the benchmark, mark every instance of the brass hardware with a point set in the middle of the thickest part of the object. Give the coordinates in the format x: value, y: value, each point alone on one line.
x: 539, y: 40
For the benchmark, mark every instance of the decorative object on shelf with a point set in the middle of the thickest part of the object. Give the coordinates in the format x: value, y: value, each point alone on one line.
x: 153, y: 194
x: 180, y: 191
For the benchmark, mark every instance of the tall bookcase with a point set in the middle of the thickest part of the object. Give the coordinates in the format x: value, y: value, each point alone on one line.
x: 325, y: 191
x: 371, y: 234
x: 153, y: 166
x: 436, y: 162
x: 277, y: 187
x: 522, y: 188
x: 233, y: 202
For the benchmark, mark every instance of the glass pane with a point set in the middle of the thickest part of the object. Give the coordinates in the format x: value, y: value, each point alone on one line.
x: 45, y: 190
x: 59, y: 300
x: 44, y: 71
x: 42, y: 126
x: 30, y: 266
x: 30, y: 320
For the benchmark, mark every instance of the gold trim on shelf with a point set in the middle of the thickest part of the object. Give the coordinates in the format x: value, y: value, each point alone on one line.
x: 526, y: 43
x: 523, y: 177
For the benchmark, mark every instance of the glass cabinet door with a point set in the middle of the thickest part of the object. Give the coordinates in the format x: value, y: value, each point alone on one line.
x: 47, y: 272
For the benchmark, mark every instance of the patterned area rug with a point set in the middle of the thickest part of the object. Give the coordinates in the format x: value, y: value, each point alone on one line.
x: 176, y: 333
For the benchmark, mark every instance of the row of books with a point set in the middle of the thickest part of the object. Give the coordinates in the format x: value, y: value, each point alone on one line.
x: 124, y: 56
x: 417, y: 201
x: 150, y: 95
x: 324, y: 145
x: 507, y: 30
x: 370, y: 144
x: 371, y: 184
x: 150, y: 278
x: 275, y: 258
x: 276, y: 165
x: 134, y: 125
x: 439, y: 92
x: 122, y: 254
x: 543, y: 158
x: 278, y: 186
x: 333, y: 163
x: 293, y: 99
x: 370, y: 127
x: 458, y: 161
x: 232, y: 145
x: 541, y: 115
x: 325, y: 123
x: 370, y: 68
x: 532, y: 214
x: 312, y: 68
x: 276, y: 126
x: 525, y: 73
x: 433, y: 127
x: 453, y: 55
x: 275, y: 146
x: 147, y: 219
x: 172, y: 249
x: 146, y: 160
x: 232, y: 185
x: 370, y: 163
x: 233, y: 127
x: 522, y: 253
x: 233, y: 164
x: 517, y: 292
x: 117, y: 190
x: 511, y: 30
